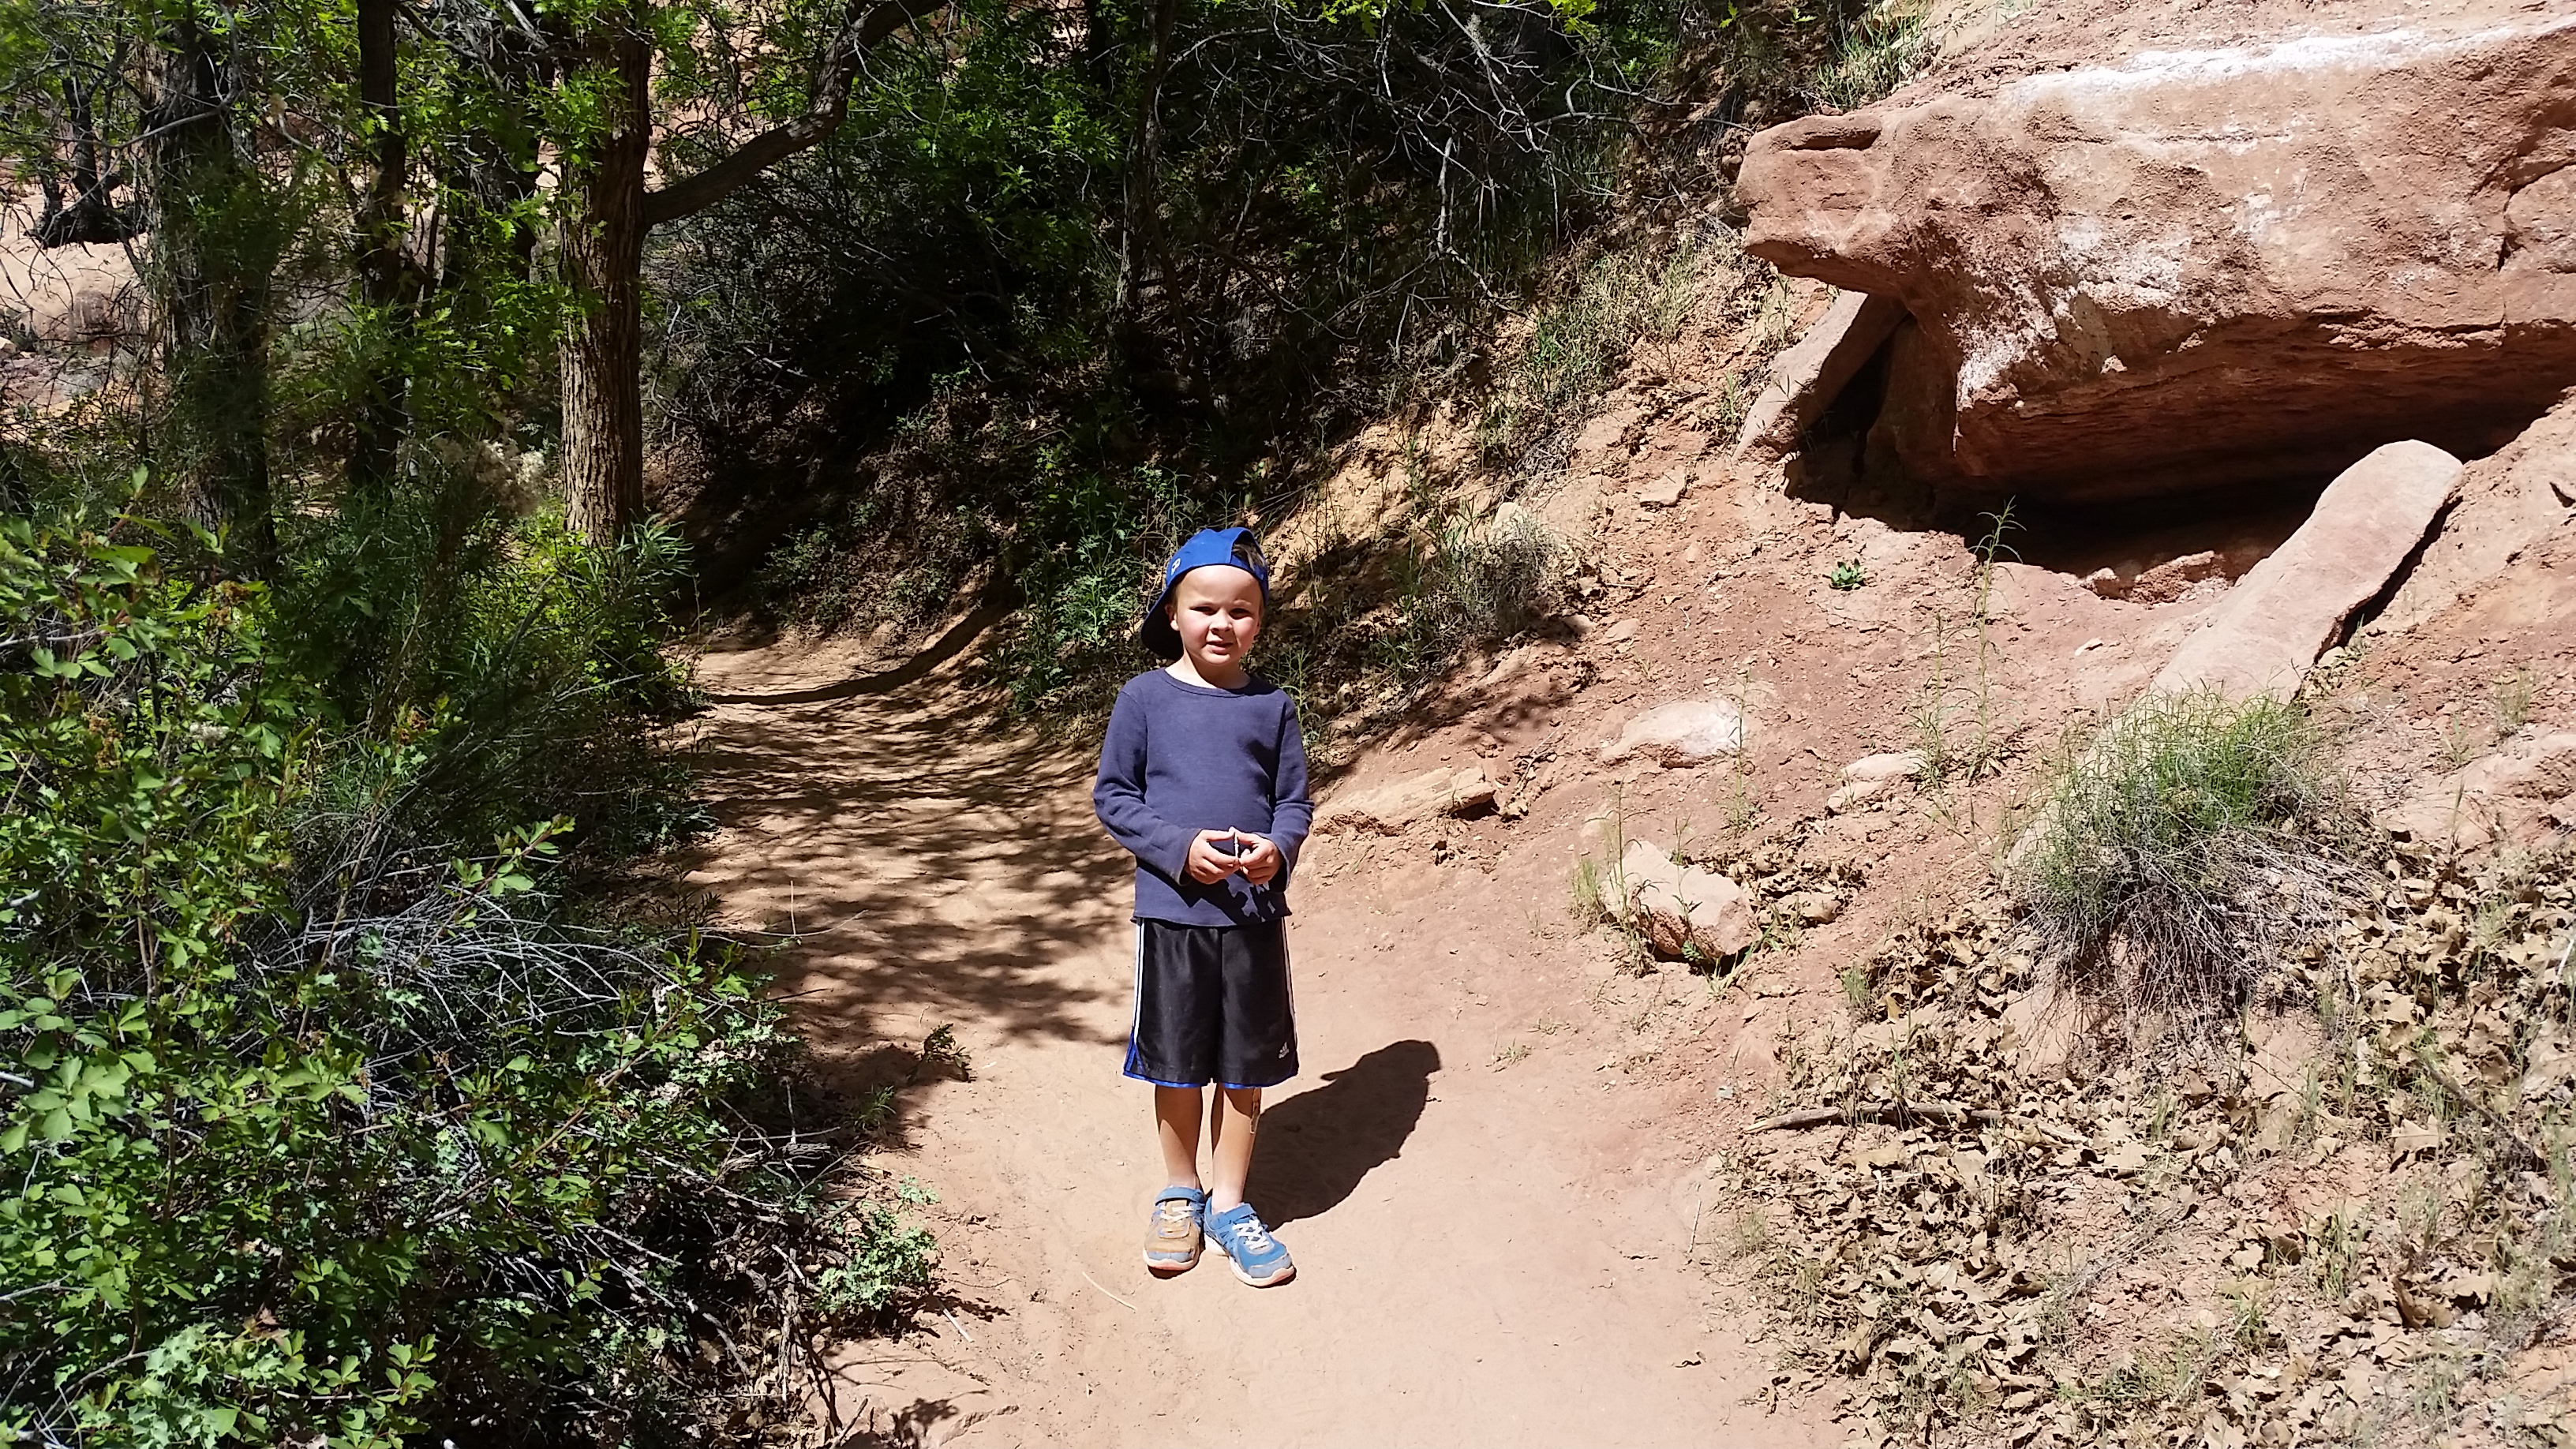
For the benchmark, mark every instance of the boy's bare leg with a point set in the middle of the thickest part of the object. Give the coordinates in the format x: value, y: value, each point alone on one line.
x: 1232, y: 1119
x: 1176, y: 1123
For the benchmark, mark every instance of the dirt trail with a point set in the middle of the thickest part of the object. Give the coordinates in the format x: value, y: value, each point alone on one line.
x: 1487, y: 1256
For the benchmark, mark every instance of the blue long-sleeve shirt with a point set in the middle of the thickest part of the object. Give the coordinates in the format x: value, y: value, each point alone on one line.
x: 1181, y: 758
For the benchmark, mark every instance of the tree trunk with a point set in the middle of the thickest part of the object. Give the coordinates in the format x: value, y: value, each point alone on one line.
x: 1137, y: 219
x: 214, y: 248
x: 603, y: 249
x: 90, y: 215
x: 385, y: 274
x: 1143, y: 349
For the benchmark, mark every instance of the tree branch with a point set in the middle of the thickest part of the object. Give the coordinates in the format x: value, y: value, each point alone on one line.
x: 864, y: 26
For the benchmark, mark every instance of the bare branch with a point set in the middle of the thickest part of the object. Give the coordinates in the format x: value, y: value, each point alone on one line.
x: 865, y: 26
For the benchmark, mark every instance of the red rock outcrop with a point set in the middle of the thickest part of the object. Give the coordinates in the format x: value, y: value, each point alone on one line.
x: 2508, y: 502
x: 2272, y: 626
x: 2165, y: 248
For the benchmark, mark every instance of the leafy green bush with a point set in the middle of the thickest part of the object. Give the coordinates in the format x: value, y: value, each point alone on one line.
x: 313, y: 1133
x: 520, y: 670
x: 1099, y: 538
x: 1473, y: 585
x: 2175, y: 855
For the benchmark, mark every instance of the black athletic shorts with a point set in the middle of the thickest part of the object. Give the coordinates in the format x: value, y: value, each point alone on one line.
x: 1212, y: 1005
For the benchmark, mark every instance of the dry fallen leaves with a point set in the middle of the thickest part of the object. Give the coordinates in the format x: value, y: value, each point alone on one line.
x: 2347, y: 1225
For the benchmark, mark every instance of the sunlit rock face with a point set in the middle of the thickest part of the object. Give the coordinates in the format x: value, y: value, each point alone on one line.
x: 2135, y: 265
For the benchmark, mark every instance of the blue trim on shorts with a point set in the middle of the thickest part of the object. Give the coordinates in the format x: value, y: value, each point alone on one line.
x: 1130, y: 1072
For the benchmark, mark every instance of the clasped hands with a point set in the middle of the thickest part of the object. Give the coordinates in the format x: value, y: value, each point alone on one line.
x: 1256, y: 857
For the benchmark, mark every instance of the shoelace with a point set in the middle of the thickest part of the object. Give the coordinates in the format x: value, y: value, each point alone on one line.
x: 1174, y: 1212
x: 1250, y: 1234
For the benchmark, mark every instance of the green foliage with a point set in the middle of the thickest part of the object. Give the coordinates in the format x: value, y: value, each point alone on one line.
x: 943, y: 277
x: 861, y: 568
x: 1806, y: 55
x: 517, y: 671
x: 320, y: 1120
x: 310, y: 1134
x: 1873, y: 53
x: 1095, y: 540
x: 888, y: 1257
x: 1846, y: 576
x: 1468, y: 584
x: 1338, y: 207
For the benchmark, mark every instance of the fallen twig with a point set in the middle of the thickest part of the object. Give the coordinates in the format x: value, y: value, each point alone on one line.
x: 1901, y: 1114
x: 1114, y: 1298
x: 2530, y: 1156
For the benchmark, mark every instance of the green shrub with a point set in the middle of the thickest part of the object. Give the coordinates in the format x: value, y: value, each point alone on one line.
x: 1873, y: 53
x: 314, y: 1133
x: 1575, y: 344
x: 1096, y: 545
x: 2174, y: 856
x: 1470, y: 586
x: 518, y: 672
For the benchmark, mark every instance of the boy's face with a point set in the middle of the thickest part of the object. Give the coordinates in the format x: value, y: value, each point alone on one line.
x: 1217, y: 612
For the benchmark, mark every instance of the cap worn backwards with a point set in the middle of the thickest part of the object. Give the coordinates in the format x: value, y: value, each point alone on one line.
x: 1232, y: 547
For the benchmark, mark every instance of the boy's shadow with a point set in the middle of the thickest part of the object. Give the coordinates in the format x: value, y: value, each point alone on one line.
x: 1317, y: 1145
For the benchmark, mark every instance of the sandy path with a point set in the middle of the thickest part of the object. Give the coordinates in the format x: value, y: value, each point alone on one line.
x: 1486, y: 1256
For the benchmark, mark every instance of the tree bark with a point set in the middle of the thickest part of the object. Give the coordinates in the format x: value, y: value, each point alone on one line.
x: 213, y: 251
x: 603, y: 463
x: 91, y: 214
x: 1144, y: 172
x: 386, y: 276
x: 603, y: 249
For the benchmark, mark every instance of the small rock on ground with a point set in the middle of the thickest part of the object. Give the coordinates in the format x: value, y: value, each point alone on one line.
x: 1685, y: 732
x: 1682, y: 911
x: 1392, y: 808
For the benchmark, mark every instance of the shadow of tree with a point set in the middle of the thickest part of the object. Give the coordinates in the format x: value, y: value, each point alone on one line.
x: 914, y: 1425
x: 920, y: 666
x: 925, y: 863
x: 1318, y: 1145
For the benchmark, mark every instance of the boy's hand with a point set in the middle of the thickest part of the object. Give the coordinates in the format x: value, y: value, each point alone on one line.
x: 1257, y: 857
x: 1207, y: 864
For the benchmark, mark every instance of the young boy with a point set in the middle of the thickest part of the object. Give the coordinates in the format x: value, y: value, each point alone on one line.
x: 1203, y: 779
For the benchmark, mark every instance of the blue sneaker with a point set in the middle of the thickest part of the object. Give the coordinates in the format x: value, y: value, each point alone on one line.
x: 1172, y: 1232
x: 1259, y: 1259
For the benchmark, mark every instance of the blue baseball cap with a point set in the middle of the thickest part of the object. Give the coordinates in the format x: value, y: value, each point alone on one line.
x: 1232, y: 547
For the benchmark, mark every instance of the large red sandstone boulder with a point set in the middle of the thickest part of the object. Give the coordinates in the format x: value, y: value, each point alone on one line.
x: 2151, y: 248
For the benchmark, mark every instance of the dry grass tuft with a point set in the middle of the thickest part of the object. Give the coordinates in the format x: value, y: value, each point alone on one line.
x: 2181, y: 853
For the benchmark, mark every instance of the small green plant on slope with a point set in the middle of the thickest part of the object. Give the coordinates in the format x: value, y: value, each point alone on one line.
x: 1467, y: 584
x: 1601, y: 885
x: 2512, y: 704
x: 1742, y: 805
x: 1846, y: 576
x: 1576, y: 344
x: 1962, y: 739
x: 2176, y: 854
x: 1876, y: 53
